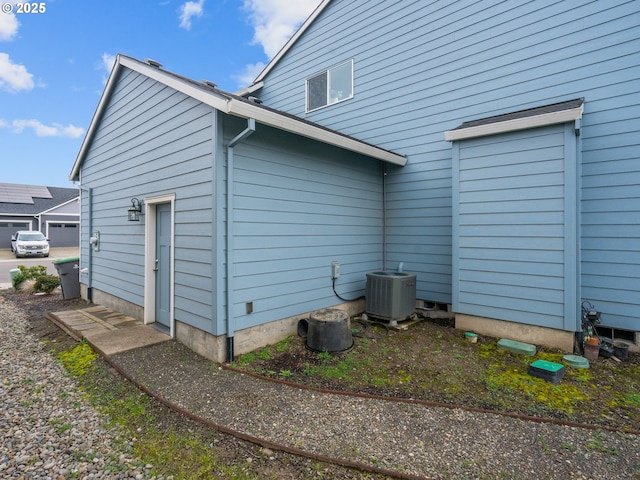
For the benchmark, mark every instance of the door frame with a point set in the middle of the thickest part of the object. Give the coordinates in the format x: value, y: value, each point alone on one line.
x: 150, y: 204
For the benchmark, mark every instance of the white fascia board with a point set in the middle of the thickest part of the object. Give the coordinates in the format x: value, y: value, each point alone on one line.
x: 294, y: 38
x: 516, y: 124
x: 250, y: 89
x: 154, y: 73
x: 94, y: 120
x: 234, y: 107
x: 74, y: 199
x: 283, y: 122
x: 248, y: 110
x: 208, y: 98
x: 18, y: 214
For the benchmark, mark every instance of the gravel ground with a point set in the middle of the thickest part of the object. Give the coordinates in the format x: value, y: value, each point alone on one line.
x: 437, y: 443
x: 47, y: 429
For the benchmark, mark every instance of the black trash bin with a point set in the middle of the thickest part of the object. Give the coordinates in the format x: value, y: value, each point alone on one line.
x: 69, y: 272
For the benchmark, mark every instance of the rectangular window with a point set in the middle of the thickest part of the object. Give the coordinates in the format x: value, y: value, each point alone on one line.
x: 331, y: 86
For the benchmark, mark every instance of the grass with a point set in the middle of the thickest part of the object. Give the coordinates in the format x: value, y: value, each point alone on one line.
x: 185, y: 453
x: 172, y: 445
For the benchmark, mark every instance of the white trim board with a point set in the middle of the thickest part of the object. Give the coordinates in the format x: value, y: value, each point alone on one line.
x: 523, y: 123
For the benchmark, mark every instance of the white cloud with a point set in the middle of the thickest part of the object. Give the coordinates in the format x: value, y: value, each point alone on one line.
x: 189, y: 10
x: 106, y: 65
x: 108, y: 61
x: 248, y: 75
x: 41, y: 130
x: 8, y: 26
x: 14, y: 77
x: 275, y: 21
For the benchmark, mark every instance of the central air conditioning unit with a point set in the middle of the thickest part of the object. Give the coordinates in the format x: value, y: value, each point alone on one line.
x: 390, y: 295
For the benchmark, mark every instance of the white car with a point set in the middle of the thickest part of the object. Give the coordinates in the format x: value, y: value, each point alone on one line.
x: 29, y: 243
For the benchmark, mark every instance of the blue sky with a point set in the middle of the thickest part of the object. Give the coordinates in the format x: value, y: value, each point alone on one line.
x: 54, y: 64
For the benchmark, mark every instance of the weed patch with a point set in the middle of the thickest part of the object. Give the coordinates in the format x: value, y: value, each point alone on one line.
x: 431, y: 361
x: 78, y: 360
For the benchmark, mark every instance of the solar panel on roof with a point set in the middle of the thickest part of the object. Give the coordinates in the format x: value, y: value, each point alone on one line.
x: 14, y: 193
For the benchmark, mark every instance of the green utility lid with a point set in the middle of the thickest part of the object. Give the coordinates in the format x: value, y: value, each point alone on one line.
x: 517, y: 347
x: 576, y: 361
x: 66, y: 260
x: 545, y: 365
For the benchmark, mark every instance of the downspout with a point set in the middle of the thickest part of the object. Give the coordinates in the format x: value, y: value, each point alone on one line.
x: 384, y: 217
x: 251, y: 127
x: 90, y: 229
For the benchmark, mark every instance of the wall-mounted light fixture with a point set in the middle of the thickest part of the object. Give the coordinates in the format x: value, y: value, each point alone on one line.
x: 135, y: 210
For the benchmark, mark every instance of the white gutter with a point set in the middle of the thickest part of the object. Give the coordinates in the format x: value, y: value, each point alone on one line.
x: 233, y: 106
x: 246, y: 110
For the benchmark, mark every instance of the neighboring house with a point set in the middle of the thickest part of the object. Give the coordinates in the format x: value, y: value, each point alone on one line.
x: 520, y: 127
x: 54, y: 211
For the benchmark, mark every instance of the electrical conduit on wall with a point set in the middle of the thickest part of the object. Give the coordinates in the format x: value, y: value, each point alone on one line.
x: 89, y: 228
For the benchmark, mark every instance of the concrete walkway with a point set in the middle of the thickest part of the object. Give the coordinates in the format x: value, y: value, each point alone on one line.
x: 107, y: 331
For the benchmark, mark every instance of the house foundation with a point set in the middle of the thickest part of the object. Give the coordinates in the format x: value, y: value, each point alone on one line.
x: 259, y: 336
x: 213, y: 347
x: 99, y: 297
x: 550, y: 337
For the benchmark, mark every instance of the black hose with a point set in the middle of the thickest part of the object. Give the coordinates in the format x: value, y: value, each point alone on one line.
x: 341, y: 298
x: 366, y: 327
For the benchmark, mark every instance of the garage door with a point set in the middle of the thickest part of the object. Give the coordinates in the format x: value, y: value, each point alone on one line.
x: 8, y: 227
x: 64, y: 234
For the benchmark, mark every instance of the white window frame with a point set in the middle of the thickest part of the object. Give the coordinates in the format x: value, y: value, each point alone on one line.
x: 328, y: 99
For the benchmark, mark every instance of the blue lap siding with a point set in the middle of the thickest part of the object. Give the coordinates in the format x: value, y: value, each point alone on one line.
x: 422, y: 68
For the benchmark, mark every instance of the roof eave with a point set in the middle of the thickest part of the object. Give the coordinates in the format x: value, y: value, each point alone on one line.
x: 17, y: 214
x: 250, y: 89
x: 282, y: 122
x: 111, y: 81
x: 523, y: 123
x: 233, y: 106
x: 74, y: 199
x: 217, y: 102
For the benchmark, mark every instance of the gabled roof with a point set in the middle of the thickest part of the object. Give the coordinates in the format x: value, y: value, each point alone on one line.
x: 231, y: 104
x: 45, y: 199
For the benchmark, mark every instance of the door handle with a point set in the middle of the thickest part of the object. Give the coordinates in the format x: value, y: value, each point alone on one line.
x: 156, y: 267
